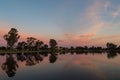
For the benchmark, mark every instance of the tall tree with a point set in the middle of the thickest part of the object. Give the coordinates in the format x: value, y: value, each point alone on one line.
x: 52, y: 43
x: 12, y: 37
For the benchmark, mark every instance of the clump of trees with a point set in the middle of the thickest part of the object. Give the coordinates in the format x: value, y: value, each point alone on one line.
x: 111, y: 46
x: 38, y: 44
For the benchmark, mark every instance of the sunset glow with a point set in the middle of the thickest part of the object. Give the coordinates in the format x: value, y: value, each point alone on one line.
x: 70, y: 22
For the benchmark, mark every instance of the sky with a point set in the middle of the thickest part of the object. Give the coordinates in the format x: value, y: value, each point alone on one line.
x: 70, y: 22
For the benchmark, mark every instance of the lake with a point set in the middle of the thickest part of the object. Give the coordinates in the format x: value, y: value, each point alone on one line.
x: 60, y: 66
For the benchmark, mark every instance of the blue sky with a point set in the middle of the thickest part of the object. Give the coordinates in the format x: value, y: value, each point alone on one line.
x: 71, y: 22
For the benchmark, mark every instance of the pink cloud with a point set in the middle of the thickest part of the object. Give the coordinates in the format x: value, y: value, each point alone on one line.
x: 89, y: 40
x: 87, y: 35
x: 76, y: 40
x: 101, y: 41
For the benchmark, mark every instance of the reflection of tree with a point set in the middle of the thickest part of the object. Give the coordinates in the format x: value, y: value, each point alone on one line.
x: 111, y: 54
x: 30, y: 60
x: 38, y: 58
x: 53, y: 57
x: 33, y: 59
x: 10, y: 66
x: 20, y: 57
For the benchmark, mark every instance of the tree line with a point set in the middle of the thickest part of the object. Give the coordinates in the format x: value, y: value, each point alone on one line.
x: 32, y: 44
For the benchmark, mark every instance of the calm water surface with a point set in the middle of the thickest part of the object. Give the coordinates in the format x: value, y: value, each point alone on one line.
x: 24, y: 66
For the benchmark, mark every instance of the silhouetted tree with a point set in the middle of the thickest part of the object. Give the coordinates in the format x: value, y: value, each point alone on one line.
x: 21, y: 45
x: 72, y: 48
x: 38, y: 44
x: 86, y: 48
x: 2, y: 48
x: 45, y: 47
x: 12, y: 37
x: 53, y: 44
x: 111, y: 46
x: 31, y: 42
x: 118, y: 48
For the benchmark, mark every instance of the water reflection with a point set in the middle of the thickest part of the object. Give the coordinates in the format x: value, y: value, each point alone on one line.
x: 53, y: 57
x: 33, y: 59
x: 10, y: 65
x: 111, y: 54
x: 20, y: 57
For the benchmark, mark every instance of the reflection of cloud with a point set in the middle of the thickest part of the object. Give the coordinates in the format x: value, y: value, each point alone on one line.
x: 79, y: 61
x: 90, y: 65
x: 87, y: 64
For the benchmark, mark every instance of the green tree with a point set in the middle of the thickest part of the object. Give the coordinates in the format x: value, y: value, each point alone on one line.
x: 12, y: 37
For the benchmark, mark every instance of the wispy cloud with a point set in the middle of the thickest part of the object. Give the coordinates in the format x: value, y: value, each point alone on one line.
x: 87, y: 35
x: 116, y: 13
x: 93, y: 14
x: 95, y: 23
x: 106, y: 5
